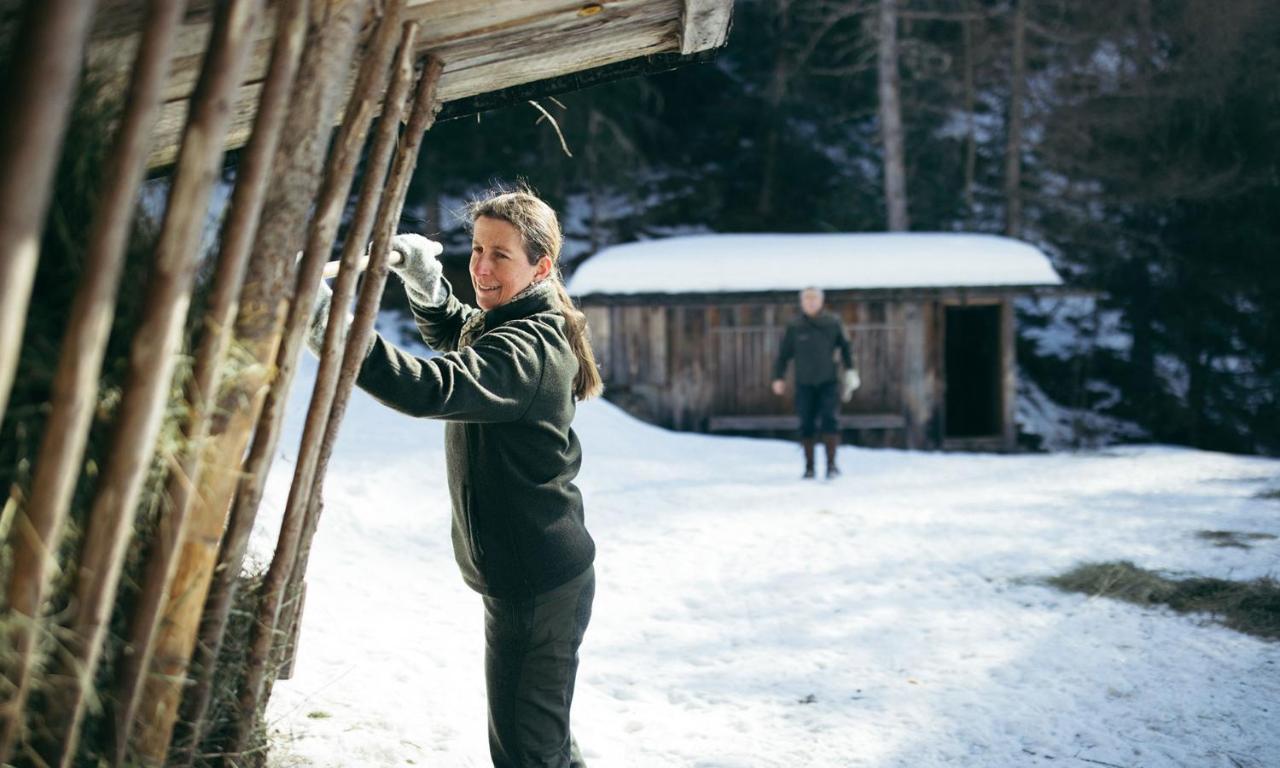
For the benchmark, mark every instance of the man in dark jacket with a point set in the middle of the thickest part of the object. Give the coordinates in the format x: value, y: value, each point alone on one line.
x: 812, y: 339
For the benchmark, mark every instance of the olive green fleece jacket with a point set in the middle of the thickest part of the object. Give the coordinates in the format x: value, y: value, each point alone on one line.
x: 504, y: 384
x: 812, y: 342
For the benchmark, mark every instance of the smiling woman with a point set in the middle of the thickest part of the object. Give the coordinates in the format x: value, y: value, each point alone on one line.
x: 507, y: 381
x: 500, y: 268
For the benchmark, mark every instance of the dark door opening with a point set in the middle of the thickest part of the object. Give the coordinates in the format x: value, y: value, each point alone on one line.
x: 973, y: 371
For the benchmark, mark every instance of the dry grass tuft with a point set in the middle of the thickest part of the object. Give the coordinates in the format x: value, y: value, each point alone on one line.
x: 1252, y: 607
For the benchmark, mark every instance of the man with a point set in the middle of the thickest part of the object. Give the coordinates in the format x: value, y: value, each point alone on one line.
x: 812, y: 339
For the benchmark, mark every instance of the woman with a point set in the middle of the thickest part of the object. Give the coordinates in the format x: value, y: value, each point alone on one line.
x: 506, y: 382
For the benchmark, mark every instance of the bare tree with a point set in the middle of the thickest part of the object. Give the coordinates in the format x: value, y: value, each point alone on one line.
x: 1013, y: 147
x: 890, y: 88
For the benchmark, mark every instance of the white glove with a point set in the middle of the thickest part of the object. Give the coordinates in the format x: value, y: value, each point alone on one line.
x: 851, y: 382
x: 319, y: 319
x: 419, y: 268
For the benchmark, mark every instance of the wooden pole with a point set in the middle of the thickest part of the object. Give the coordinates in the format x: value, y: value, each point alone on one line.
x: 237, y: 240
x: 332, y: 30
x: 151, y: 364
x: 364, y: 98
x: 375, y: 277
x: 37, y: 101
x: 218, y: 606
x: 38, y: 529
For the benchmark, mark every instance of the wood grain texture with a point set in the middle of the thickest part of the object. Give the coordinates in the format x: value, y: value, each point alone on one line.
x: 485, y: 46
x: 696, y: 362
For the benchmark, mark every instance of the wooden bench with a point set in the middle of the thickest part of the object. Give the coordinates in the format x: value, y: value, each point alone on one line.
x: 782, y: 423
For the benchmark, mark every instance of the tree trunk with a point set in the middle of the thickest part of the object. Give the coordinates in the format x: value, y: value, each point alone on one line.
x: 773, y: 116
x: 895, y: 173
x: 1013, y: 149
x: 322, y: 74
x: 971, y: 133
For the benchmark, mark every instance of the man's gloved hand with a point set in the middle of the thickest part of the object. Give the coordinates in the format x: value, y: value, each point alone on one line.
x: 851, y: 382
x: 419, y: 268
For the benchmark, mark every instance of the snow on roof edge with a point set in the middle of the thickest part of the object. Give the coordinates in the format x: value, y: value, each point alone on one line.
x: 750, y: 263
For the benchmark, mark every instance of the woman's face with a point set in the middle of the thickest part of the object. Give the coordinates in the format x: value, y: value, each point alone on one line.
x: 500, y: 267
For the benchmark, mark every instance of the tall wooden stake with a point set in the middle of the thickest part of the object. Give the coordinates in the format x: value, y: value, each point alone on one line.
x: 151, y: 364
x: 337, y: 185
x: 376, y: 164
x: 38, y: 529
x: 295, y: 171
x: 375, y: 278
x: 40, y: 88
x: 237, y: 239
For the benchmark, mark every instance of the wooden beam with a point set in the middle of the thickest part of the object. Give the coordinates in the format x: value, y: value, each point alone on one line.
x: 705, y: 25
x: 1008, y: 374
x: 575, y: 81
x: 486, y: 47
x: 471, y: 68
x: 780, y: 423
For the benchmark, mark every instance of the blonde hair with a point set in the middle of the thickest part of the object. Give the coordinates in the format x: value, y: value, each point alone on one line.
x: 540, y: 234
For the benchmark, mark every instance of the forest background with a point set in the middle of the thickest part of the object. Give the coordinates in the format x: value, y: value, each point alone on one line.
x: 1136, y: 141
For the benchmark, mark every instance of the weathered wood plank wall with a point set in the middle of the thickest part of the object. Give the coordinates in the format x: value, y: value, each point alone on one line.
x: 680, y: 363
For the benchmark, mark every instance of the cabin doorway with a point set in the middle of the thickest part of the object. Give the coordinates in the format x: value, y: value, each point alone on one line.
x: 973, y: 375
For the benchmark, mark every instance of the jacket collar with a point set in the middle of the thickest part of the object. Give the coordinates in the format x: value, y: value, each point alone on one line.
x: 538, y: 297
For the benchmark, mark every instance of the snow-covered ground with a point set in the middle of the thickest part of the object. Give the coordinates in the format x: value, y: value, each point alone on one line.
x: 747, y: 618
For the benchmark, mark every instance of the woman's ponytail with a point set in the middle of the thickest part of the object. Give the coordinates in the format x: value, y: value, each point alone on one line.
x: 587, y: 384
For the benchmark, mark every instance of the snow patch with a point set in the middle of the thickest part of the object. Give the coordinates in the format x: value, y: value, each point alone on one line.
x: 891, y: 619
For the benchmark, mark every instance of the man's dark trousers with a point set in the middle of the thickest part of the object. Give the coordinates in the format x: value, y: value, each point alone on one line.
x: 531, y: 660
x: 817, y: 405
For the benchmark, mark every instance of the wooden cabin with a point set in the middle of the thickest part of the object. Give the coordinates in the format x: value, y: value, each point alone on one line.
x: 687, y: 330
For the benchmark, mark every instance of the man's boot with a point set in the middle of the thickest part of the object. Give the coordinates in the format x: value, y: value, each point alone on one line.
x: 808, y: 444
x: 831, y: 441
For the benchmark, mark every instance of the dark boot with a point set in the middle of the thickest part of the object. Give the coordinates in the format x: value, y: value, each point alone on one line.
x: 831, y: 441
x: 808, y: 444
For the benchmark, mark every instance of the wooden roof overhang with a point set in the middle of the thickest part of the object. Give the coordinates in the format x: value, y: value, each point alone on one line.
x: 930, y: 293
x: 494, y: 52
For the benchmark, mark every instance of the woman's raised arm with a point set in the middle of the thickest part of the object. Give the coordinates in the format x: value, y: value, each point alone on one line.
x: 436, y: 311
x: 495, y: 379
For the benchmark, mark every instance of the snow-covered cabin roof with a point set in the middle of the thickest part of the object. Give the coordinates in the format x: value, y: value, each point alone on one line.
x: 775, y: 262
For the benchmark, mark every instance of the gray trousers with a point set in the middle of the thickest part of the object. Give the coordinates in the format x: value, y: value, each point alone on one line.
x: 531, y: 660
